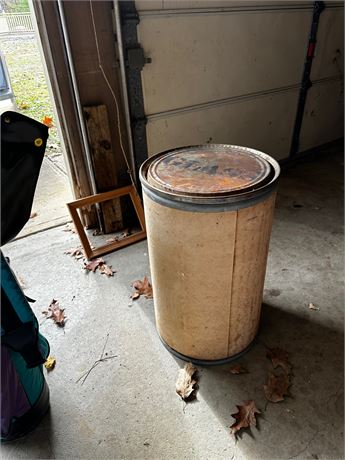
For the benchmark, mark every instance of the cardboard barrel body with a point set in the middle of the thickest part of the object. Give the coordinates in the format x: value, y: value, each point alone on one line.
x: 208, y: 255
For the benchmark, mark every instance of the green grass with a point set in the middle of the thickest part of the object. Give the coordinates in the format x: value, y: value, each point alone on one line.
x: 28, y: 82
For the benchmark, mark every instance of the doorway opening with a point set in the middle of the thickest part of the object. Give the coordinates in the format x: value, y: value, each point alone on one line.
x: 20, y: 48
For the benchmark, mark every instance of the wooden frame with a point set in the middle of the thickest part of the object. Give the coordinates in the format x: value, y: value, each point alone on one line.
x: 73, y: 207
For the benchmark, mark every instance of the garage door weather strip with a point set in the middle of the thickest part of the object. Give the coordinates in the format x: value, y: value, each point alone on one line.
x: 306, y: 82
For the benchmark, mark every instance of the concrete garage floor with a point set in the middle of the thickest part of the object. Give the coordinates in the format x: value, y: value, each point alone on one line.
x: 52, y: 192
x: 127, y: 408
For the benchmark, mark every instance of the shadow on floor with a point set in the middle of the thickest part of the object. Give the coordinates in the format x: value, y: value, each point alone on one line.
x: 315, y: 408
x: 316, y: 401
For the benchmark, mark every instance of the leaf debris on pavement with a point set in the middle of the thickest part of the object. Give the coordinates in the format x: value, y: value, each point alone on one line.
x: 77, y: 253
x: 99, y: 264
x: 55, y: 313
x: 185, y: 382
x: 238, y: 369
x: 279, y: 357
x: 93, y: 264
x: 50, y: 363
x: 106, y: 269
x: 277, y: 387
x: 125, y: 233
x: 245, y: 416
x: 142, y: 287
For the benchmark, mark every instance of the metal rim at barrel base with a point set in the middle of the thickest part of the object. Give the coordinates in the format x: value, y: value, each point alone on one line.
x: 205, y: 362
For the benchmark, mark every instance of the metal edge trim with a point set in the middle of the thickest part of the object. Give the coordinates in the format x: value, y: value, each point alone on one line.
x: 205, y: 362
x: 203, y: 207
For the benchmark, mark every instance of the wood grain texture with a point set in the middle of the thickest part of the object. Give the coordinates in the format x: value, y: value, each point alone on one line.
x: 104, y: 164
x: 78, y: 205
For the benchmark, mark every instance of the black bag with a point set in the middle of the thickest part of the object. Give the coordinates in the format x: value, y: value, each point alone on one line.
x: 23, y: 143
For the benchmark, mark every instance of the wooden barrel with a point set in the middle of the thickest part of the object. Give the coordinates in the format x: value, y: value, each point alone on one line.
x: 208, y: 213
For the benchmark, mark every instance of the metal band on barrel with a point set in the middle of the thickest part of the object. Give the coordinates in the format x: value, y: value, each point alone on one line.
x: 202, y: 205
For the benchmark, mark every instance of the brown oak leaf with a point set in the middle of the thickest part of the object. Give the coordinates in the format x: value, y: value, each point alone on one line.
x: 93, y: 264
x: 106, y: 270
x: 77, y: 253
x: 238, y: 369
x: 245, y: 416
x: 185, y: 382
x: 142, y: 287
x: 277, y: 386
x: 56, y: 313
x: 279, y: 357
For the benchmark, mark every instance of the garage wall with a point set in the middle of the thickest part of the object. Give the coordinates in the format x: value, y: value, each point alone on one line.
x: 230, y: 72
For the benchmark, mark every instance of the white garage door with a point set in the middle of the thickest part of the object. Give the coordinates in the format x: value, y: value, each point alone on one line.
x: 230, y: 72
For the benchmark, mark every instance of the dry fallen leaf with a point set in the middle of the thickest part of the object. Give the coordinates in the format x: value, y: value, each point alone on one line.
x: 135, y: 296
x: 33, y: 215
x: 238, y: 369
x: 55, y: 313
x: 125, y: 233
x: 185, y: 382
x: 313, y: 306
x: 279, y: 357
x: 48, y: 121
x: 93, y: 264
x: 245, y: 416
x: 50, y: 363
x: 142, y: 287
x: 23, y: 106
x: 113, y: 239
x: 106, y: 270
x: 277, y: 386
x: 77, y: 253
x: 117, y: 238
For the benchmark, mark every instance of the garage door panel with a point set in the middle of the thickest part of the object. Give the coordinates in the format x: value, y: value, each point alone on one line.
x: 202, y: 58
x: 157, y: 5
x: 329, y: 52
x: 324, y: 116
x: 144, y: 5
x: 264, y: 123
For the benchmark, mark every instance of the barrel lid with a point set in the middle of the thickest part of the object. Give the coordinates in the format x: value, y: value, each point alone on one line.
x: 208, y: 170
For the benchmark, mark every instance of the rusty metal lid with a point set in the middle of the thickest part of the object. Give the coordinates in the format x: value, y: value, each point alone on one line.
x: 208, y: 170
